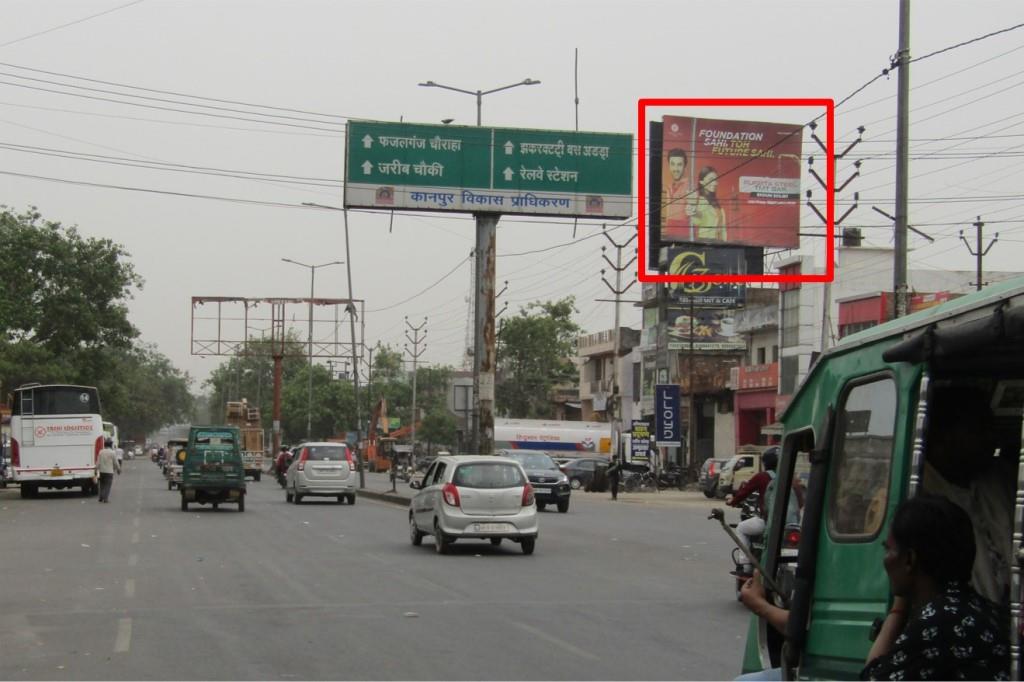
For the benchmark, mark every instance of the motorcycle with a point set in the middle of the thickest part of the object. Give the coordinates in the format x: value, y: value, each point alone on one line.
x: 281, y: 478
x: 742, y: 557
x: 672, y: 477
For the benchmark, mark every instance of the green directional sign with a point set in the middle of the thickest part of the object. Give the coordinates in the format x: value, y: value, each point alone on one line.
x: 500, y: 170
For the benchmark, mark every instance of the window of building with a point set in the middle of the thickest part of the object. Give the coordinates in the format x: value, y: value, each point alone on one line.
x: 789, y: 367
x: 865, y: 427
x: 775, y: 353
x: 761, y: 355
x: 598, y: 369
x: 790, y: 317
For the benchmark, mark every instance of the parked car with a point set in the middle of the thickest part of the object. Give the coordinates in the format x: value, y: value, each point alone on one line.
x: 466, y: 496
x: 709, y: 475
x: 321, y: 470
x: 550, y: 485
x: 581, y: 471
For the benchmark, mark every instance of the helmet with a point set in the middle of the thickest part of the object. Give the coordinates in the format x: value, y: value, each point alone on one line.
x: 770, y: 458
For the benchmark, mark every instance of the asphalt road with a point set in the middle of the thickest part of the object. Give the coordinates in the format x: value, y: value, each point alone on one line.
x: 136, y: 589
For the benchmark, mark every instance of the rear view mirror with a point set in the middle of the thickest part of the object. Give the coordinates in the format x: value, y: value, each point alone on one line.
x: 416, y: 484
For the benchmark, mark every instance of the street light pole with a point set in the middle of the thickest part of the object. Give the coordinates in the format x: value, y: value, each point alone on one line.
x: 484, y: 356
x: 312, y: 289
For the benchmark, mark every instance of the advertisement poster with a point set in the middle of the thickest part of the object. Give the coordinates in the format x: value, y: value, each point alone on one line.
x: 711, y: 330
x: 697, y: 259
x: 640, y: 441
x: 736, y: 182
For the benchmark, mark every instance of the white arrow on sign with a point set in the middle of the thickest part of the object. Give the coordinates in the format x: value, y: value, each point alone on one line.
x: 508, y: 174
x: 367, y: 167
x: 509, y: 147
x: 367, y: 141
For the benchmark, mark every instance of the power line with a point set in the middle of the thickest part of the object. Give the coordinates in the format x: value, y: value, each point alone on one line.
x: 70, y: 23
x: 967, y: 42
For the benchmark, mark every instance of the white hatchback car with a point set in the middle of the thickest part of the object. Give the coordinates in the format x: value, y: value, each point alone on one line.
x: 321, y: 469
x: 468, y: 496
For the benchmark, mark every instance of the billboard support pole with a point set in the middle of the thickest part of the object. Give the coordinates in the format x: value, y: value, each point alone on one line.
x: 691, y: 428
x: 484, y: 350
x: 902, y: 159
x: 618, y: 290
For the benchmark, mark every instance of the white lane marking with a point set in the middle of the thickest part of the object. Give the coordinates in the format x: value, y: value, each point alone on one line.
x: 124, y: 636
x: 129, y: 587
x: 135, y: 538
x: 557, y: 642
x: 133, y: 560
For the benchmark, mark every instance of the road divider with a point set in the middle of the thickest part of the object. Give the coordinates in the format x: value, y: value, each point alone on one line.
x: 392, y: 498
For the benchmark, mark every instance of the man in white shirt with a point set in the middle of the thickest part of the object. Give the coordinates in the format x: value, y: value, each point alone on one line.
x: 106, y: 465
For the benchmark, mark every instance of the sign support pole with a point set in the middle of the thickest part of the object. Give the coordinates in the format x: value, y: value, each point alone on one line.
x: 484, y: 349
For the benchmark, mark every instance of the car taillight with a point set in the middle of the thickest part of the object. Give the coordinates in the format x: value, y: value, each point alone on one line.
x: 792, y: 539
x: 96, y: 448
x: 302, y: 459
x: 527, y: 495
x: 15, y: 453
x: 711, y: 469
x: 451, y: 495
x: 348, y: 457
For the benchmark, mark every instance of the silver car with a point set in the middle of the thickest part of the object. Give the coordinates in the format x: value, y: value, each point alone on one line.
x: 321, y: 469
x: 473, y: 497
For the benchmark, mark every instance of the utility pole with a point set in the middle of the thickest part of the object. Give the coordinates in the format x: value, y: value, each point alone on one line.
x: 614, y: 403
x: 902, y: 160
x: 978, y: 252
x: 415, y: 354
x: 826, y: 308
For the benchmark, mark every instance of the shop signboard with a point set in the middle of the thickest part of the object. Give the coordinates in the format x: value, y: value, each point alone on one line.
x: 710, y: 330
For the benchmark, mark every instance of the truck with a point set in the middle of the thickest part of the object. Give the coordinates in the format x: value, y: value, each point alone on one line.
x: 247, y: 419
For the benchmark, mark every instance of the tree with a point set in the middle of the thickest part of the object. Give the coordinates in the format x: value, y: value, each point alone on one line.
x: 535, y: 353
x: 439, y: 427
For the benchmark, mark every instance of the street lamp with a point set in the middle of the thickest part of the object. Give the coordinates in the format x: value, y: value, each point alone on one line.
x: 479, y: 94
x: 312, y: 278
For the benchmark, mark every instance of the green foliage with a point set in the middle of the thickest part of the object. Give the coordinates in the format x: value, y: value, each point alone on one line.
x: 63, y: 319
x: 535, y: 352
x: 438, y: 428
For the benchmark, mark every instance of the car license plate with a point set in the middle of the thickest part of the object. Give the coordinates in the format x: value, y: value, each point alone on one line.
x: 490, y: 527
x: 57, y: 471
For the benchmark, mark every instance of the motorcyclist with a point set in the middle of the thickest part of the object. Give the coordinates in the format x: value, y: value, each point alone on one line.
x: 281, y: 463
x: 753, y: 528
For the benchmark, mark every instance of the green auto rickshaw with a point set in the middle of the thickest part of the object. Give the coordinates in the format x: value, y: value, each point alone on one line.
x: 213, y: 471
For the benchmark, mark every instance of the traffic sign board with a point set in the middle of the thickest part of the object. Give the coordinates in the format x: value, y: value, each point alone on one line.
x: 500, y: 170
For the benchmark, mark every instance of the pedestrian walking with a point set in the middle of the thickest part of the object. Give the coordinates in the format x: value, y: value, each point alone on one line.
x: 106, y: 465
x: 613, y: 477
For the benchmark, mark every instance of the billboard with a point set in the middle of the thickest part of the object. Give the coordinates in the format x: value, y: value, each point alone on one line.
x: 488, y: 170
x: 709, y: 330
x: 736, y: 182
x: 667, y: 429
x: 698, y: 259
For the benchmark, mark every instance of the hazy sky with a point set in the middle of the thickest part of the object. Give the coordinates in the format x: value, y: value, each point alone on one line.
x: 364, y: 60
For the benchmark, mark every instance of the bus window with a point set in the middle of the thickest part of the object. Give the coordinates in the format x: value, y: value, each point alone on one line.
x: 865, y: 428
x: 57, y: 400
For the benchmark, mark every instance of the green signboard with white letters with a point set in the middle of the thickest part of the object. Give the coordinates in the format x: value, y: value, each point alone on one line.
x: 498, y: 170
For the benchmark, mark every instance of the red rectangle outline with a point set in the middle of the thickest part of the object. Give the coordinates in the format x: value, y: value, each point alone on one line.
x: 830, y: 181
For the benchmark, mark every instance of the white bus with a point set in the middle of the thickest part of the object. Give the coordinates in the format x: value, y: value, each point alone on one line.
x: 557, y: 438
x: 56, y: 437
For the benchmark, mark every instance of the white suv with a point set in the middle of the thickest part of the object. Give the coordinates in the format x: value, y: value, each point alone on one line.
x: 481, y: 497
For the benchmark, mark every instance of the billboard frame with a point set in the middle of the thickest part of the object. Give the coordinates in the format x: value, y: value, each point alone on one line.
x: 830, y: 224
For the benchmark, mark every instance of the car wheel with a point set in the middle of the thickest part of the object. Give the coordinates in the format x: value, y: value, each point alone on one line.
x: 341, y: 499
x: 563, y: 507
x: 241, y: 503
x: 709, y: 493
x: 184, y: 503
x: 528, y: 545
x: 352, y: 499
x: 415, y: 535
x: 441, y: 543
x: 541, y: 506
x: 297, y: 497
x: 216, y: 505
x: 575, y: 484
x: 288, y: 496
x: 257, y: 476
x: 170, y: 486
x: 495, y: 541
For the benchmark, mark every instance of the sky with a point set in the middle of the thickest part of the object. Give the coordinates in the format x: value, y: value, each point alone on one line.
x: 321, y: 63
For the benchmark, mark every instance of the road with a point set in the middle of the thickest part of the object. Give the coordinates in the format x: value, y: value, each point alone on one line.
x: 136, y: 589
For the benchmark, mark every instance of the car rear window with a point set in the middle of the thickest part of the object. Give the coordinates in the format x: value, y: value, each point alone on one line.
x: 335, y: 453
x: 534, y: 460
x: 488, y: 475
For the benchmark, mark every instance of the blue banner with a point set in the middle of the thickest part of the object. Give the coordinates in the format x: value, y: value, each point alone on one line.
x: 667, y: 429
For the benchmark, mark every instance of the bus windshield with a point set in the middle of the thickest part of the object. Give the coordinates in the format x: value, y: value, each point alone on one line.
x: 56, y: 400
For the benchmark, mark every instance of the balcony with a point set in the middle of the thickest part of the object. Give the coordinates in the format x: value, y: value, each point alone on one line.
x: 603, y: 343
